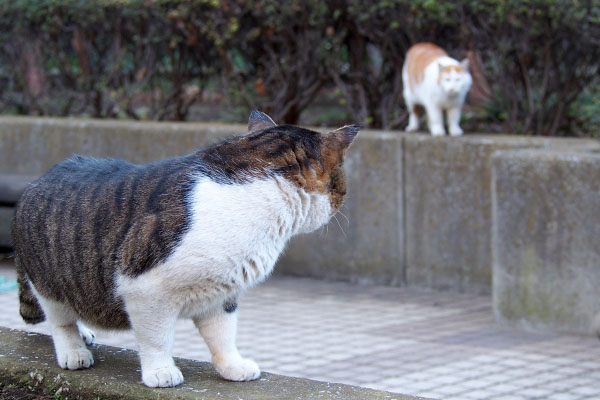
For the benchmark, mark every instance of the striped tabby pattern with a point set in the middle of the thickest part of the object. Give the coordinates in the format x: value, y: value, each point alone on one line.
x: 119, y: 245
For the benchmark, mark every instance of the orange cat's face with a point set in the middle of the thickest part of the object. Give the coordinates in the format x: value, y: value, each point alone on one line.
x: 454, y: 79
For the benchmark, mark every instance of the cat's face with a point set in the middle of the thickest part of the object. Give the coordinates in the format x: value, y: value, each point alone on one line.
x: 311, y: 160
x: 454, y: 79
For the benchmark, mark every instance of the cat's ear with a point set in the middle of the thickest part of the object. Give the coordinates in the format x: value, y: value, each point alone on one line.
x: 343, y: 137
x: 465, y: 64
x: 441, y: 68
x: 259, y: 120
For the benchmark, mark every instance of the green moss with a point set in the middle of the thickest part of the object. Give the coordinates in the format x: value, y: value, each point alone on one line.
x: 529, y: 299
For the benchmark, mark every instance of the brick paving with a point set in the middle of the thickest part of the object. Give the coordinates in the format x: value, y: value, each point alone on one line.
x: 440, y: 345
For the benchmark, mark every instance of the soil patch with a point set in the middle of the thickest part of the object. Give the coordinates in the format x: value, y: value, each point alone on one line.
x: 10, y: 392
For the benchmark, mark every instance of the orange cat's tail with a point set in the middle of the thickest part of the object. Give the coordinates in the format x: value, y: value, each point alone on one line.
x: 29, y: 308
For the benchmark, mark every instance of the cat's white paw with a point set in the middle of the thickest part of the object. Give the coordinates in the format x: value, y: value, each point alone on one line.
x: 412, y: 128
x: 437, y: 130
x: 242, y: 369
x: 86, y: 333
x: 455, y: 131
x: 162, y: 377
x: 75, y: 359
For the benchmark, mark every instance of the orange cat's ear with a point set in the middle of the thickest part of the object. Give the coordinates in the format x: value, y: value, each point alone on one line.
x: 343, y: 137
x: 259, y: 121
x: 465, y: 64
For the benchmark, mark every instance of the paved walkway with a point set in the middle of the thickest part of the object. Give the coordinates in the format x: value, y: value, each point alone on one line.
x: 433, y: 344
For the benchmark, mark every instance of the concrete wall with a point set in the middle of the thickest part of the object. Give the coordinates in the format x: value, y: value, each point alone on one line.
x: 33, y: 145
x: 546, y: 239
x: 447, y: 202
x: 419, y: 211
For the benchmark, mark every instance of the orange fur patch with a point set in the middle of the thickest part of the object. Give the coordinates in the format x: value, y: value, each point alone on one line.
x: 448, y: 69
x: 418, y: 58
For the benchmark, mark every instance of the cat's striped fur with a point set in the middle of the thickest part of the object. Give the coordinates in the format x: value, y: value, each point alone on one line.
x: 94, y: 237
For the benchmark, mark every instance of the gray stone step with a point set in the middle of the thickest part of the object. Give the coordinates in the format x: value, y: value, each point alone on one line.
x: 28, y: 360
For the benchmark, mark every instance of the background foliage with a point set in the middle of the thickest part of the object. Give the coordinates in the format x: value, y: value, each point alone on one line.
x: 535, y: 62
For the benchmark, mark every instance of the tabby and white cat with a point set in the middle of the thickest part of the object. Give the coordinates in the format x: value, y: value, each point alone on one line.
x: 118, y: 245
x: 438, y: 83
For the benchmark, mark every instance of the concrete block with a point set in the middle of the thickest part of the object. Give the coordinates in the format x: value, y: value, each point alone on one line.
x: 448, y: 210
x: 546, y: 239
x: 448, y: 206
x: 368, y: 243
x: 28, y: 361
x: 32, y: 145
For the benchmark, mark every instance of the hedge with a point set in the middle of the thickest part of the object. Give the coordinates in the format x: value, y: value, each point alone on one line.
x: 535, y: 62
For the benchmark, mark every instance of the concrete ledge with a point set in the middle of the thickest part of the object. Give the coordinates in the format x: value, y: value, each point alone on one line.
x: 448, y: 207
x: 546, y: 239
x: 32, y: 145
x: 28, y: 360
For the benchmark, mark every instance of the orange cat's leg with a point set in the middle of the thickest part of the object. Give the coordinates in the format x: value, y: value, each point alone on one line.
x: 453, y: 121
x: 435, y: 120
x: 413, y: 118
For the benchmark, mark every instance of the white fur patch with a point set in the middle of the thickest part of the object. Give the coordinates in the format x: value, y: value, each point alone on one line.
x: 237, y: 233
x: 71, y: 352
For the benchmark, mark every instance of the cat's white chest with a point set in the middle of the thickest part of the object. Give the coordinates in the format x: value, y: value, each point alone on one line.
x: 238, y: 229
x: 235, y: 236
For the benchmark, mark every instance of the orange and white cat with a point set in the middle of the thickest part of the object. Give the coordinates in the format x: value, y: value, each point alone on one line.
x: 438, y: 83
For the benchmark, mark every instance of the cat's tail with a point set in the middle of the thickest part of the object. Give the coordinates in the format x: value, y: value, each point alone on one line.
x: 29, y: 308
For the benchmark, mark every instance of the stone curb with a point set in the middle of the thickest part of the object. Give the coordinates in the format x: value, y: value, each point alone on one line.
x: 27, y: 359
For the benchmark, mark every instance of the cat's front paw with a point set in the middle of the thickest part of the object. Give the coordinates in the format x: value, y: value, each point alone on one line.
x: 162, y: 377
x: 437, y: 130
x: 242, y: 369
x: 75, y: 359
x: 455, y: 131
x: 86, y: 333
x: 412, y: 127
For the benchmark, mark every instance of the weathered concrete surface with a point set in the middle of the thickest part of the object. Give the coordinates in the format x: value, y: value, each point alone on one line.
x: 546, y: 239
x: 33, y: 145
x: 28, y: 359
x: 448, y: 207
x: 365, y: 242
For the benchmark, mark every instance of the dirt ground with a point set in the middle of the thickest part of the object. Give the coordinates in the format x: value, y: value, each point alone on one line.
x: 16, y: 393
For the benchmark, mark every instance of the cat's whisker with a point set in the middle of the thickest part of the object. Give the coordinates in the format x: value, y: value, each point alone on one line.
x: 344, y: 215
x: 340, y: 225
